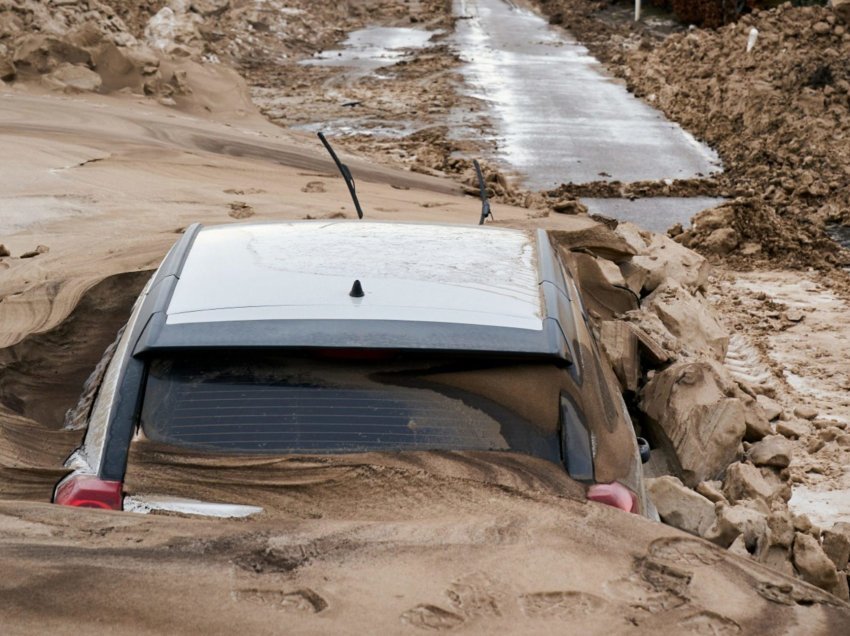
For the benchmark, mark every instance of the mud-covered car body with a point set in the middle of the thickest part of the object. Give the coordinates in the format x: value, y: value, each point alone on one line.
x: 317, y: 337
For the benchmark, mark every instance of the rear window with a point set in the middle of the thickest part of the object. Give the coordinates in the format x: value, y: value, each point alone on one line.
x: 264, y: 403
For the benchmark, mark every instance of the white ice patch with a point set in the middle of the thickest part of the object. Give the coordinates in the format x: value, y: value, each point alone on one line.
x: 145, y: 504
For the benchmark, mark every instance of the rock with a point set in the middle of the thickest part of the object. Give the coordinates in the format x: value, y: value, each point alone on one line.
x: 86, y: 36
x: 691, y: 321
x: 756, y: 422
x: 665, y: 259
x: 597, y: 239
x: 711, y: 490
x: 732, y: 521
x: 836, y: 544
x: 775, y: 451
x: 208, y: 8
x: 674, y: 230
x: 841, y: 8
x: 718, y: 218
x: 637, y: 238
x: 739, y: 547
x: 8, y: 72
x: 611, y: 272
x: 74, y: 78
x: 802, y: 523
x: 772, y: 408
x: 657, y: 345
x: 744, y: 481
x: 821, y: 28
x: 621, y: 345
x: 633, y: 275
x: 813, y: 564
x: 598, y: 294
x: 792, y: 429
x: 41, y: 54
x: 779, y: 559
x: 569, y: 206
x: 689, y: 412
x: 794, y: 315
x: 40, y: 249
x: 721, y: 241
x: 806, y: 412
x: 4, y: 251
x: 679, y: 506
x: 781, y: 528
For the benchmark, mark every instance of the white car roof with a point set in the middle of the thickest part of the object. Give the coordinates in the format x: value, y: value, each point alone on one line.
x: 304, y: 270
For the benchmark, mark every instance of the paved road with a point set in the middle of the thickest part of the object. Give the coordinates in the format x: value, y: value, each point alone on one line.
x: 559, y: 117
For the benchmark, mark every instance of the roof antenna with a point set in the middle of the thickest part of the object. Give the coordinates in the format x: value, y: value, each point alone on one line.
x: 357, y: 290
x: 346, y: 174
x: 482, y: 192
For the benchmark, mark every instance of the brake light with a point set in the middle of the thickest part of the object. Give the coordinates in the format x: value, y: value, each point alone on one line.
x: 615, y: 494
x: 87, y: 491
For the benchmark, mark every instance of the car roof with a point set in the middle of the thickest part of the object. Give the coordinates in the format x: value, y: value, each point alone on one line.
x: 426, y: 287
x: 408, y: 272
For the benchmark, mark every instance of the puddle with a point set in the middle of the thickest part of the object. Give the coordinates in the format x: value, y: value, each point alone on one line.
x: 558, y: 116
x: 653, y: 213
x: 369, y: 49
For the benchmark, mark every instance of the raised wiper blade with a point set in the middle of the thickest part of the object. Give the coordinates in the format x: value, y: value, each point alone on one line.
x: 482, y: 192
x: 345, y: 172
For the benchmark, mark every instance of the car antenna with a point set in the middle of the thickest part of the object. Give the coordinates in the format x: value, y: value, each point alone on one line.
x: 346, y: 174
x: 482, y: 191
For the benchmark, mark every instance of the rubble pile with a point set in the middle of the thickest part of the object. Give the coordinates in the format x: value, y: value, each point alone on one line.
x: 778, y: 115
x: 77, y: 46
x: 721, y: 463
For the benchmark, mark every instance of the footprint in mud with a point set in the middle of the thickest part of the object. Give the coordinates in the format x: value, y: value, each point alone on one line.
x: 664, y: 577
x: 685, y: 552
x: 655, y: 586
x: 563, y: 605
x: 431, y: 617
x: 638, y: 594
x: 475, y: 595
x: 709, y: 624
x: 305, y: 600
x: 314, y: 187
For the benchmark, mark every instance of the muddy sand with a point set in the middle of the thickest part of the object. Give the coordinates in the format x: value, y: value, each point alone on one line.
x: 95, y: 190
x: 435, y: 543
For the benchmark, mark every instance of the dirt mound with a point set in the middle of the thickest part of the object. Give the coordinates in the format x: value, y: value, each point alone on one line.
x: 779, y: 116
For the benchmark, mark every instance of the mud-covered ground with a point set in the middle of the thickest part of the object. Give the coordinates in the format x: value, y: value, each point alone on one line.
x: 104, y: 183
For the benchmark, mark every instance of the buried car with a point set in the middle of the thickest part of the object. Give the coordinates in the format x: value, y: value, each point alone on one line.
x: 309, y: 337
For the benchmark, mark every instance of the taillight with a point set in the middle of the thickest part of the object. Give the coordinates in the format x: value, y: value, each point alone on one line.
x: 87, y: 491
x: 615, y: 494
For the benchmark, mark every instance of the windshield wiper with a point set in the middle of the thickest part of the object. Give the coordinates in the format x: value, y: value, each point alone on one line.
x: 482, y: 192
x: 346, y: 174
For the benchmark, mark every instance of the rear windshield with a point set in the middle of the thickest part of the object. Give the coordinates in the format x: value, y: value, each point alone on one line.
x: 271, y: 403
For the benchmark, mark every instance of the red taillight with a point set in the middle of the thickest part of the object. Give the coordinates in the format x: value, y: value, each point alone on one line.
x: 616, y: 495
x: 84, y: 491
